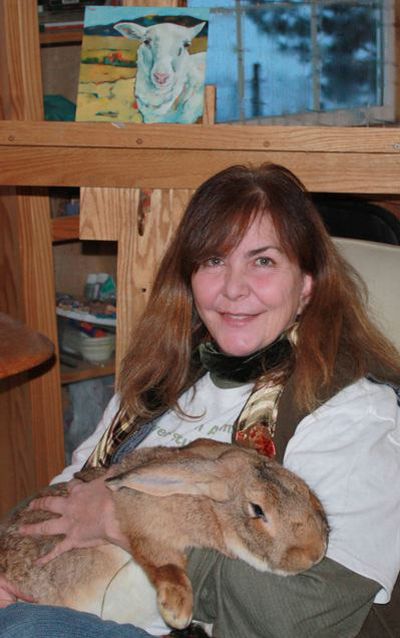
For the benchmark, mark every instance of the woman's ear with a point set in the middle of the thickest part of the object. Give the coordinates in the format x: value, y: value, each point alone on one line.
x: 307, y: 288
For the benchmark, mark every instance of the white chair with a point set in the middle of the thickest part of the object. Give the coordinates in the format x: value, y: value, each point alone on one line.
x: 379, y: 266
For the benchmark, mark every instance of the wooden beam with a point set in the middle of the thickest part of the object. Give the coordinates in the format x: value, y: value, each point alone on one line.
x: 105, y: 135
x: 124, y: 168
x: 350, y: 160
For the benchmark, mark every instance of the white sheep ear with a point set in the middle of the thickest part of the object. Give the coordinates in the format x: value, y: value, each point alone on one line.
x: 131, y: 30
x: 197, y: 477
x: 193, y: 31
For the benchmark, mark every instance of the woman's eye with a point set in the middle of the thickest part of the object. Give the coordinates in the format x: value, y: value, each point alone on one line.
x: 263, y: 261
x: 213, y: 261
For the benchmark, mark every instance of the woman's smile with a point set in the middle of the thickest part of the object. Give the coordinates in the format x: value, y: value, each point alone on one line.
x: 237, y: 319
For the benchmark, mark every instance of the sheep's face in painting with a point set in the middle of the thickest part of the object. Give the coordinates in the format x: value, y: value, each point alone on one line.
x: 163, y: 50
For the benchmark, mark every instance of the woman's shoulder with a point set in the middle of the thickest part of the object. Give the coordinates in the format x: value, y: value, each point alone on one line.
x: 360, y: 414
x: 361, y: 397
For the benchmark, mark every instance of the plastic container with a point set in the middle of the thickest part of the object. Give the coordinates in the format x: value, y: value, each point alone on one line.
x: 90, y: 286
x: 92, y: 349
x: 96, y: 349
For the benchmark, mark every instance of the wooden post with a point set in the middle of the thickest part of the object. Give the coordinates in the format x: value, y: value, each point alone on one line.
x: 397, y: 58
x: 31, y: 432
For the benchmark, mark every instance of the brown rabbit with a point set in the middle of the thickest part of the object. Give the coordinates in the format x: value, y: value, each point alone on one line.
x: 206, y: 494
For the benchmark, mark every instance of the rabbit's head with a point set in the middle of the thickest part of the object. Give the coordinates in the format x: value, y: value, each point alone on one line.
x: 274, y: 521
x: 267, y: 515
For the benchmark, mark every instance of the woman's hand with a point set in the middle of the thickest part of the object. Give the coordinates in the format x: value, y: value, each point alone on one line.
x: 9, y: 593
x: 87, y: 517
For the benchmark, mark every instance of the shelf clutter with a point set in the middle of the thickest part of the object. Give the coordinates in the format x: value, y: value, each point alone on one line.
x: 86, y: 332
x: 59, y: 26
x: 86, y: 329
x: 61, y: 21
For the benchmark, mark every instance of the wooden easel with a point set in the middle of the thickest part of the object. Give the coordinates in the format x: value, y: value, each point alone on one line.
x: 172, y: 159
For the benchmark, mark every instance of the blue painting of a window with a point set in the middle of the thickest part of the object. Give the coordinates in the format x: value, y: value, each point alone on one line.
x: 270, y: 59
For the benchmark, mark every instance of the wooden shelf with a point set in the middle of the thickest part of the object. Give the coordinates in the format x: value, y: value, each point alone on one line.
x: 86, y: 370
x: 61, y: 27
x: 65, y: 228
x: 348, y: 160
x: 105, y: 320
x: 66, y: 36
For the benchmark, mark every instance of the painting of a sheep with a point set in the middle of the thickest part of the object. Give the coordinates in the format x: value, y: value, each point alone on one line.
x: 143, y: 65
x: 169, y: 83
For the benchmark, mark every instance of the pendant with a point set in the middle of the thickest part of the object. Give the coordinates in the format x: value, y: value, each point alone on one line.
x: 257, y: 437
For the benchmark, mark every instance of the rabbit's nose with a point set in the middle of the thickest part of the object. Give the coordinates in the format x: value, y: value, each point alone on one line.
x: 317, y: 553
x: 302, y: 557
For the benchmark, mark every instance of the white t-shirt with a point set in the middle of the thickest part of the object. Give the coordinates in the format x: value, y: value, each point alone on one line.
x: 216, y: 410
x: 348, y: 451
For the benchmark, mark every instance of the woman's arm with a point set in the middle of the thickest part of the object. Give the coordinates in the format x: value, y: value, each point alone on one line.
x: 327, y: 601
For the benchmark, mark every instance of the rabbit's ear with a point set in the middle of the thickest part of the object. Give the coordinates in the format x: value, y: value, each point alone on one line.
x: 195, y: 477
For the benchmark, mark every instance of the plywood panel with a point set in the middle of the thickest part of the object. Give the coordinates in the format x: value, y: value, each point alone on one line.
x: 100, y: 211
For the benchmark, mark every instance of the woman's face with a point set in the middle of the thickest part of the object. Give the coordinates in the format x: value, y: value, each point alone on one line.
x: 247, y: 298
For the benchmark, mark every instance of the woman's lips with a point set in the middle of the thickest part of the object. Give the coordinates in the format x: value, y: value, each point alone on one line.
x: 236, y: 319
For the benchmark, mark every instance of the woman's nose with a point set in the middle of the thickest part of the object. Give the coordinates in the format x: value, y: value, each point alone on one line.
x: 235, y: 284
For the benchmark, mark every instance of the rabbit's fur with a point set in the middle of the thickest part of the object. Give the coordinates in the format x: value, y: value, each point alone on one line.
x: 206, y: 494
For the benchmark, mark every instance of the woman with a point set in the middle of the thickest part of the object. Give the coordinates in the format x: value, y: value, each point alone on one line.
x: 256, y: 332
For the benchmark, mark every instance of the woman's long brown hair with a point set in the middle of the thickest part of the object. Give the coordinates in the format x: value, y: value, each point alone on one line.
x: 334, y: 326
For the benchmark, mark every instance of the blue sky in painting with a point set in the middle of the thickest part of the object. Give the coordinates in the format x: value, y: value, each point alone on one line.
x: 107, y: 15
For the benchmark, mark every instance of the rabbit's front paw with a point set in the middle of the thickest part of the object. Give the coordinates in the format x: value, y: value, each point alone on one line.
x: 175, y: 599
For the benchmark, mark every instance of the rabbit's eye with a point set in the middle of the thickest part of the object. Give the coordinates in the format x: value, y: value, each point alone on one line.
x: 257, y: 511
